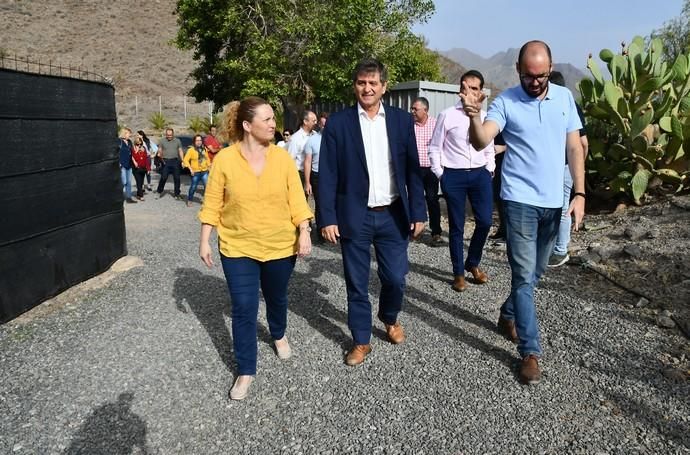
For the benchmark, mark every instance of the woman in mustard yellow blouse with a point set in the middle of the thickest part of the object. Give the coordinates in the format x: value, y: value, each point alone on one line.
x: 197, y: 161
x: 255, y: 200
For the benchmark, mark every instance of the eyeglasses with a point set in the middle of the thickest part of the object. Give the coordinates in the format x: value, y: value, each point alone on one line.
x: 529, y: 78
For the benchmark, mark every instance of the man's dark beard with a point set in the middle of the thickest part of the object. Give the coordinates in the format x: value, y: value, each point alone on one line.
x: 526, y: 88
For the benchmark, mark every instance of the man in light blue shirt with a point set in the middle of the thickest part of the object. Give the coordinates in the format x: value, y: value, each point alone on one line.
x: 538, y: 120
x: 311, y: 165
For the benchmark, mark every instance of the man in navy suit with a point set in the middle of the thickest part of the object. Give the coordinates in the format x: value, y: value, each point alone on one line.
x: 371, y: 192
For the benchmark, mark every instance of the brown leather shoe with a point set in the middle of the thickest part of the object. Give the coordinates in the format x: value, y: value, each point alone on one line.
x: 507, y: 329
x: 459, y: 284
x: 529, y: 370
x: 395, y: 333
x: 357, y: 354
x: 478, y: 274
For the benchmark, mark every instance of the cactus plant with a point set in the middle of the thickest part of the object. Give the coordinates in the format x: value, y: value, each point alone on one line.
x: 647, y: 101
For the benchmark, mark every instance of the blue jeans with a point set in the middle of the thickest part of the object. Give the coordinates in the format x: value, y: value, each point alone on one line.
x: 390, y: 247
x: 245, y: 276
x: 457, y: 186
x: 126, y: 178
x: 530, y: 234
x: 198, y: 176
x: 563, y: 238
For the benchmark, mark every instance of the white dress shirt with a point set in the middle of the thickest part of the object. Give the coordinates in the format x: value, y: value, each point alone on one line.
x: 382, y: 187
x: 296, y: 147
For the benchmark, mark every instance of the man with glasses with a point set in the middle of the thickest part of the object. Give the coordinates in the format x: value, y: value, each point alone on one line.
x: 423, y: 130
x: 464, y: 172
x: 537, y: 120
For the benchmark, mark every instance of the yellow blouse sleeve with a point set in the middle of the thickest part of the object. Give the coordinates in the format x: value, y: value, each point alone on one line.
x: 299, y: 208
x: 214, y: 195
x: 187, y: 160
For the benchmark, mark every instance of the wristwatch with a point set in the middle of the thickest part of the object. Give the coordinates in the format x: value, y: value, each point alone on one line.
x: 307, y: 228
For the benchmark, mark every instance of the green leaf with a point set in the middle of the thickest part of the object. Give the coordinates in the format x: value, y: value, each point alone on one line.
x: 639, y: 184
x: 685, y: 105
x: 593, y: 67
x: 612, y: 93
x: 639, y: 144
x: 618, y: 67
x: 640, y: 119
x: 668, y: 175
x: 665, y: 124
x: 587, y: 90
x: 680, y: 68
x: 676, y: 127
x: 649, y: 85
x: 606, y: 55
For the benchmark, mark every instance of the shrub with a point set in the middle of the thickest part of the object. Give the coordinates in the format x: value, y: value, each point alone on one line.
x: 158, y: 121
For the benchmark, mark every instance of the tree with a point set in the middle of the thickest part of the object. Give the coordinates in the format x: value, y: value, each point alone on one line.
x: 289, y: 51
x: 675, y: 34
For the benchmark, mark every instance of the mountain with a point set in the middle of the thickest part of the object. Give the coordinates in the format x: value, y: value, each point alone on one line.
x: 499, y: 69
x: 125, y: 40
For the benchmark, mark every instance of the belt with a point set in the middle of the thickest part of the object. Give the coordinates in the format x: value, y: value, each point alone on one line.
x: 467, y: 169
x: 379, y: 208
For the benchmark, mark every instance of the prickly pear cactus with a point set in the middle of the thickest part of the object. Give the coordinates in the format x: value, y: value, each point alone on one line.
x: 646, y: 102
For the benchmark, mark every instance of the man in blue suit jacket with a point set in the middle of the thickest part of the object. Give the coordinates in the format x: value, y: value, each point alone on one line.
x: 371, y: 192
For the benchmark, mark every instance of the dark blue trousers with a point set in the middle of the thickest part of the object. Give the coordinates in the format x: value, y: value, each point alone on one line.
x: 382, y: 230
x: 172, y: 165
x: 458, y: 185
x: 245, y: 276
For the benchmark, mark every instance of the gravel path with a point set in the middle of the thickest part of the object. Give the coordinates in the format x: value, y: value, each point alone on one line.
x: 144, y: 365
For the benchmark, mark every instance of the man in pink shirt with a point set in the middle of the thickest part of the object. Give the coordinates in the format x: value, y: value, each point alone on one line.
x: 464, y: 173
x: 423, y: 129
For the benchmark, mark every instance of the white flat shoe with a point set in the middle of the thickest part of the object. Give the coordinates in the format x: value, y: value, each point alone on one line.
x: 283, y: 348
x: 240, y: 389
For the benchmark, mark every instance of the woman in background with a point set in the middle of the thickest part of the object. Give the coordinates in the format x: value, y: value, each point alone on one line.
x: 198, y: 162
x: 255, y: 201
x: 125, y: 152
x: 141, y: 164
x: 152, y: 150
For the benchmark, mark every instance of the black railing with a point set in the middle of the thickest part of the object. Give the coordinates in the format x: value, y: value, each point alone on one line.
x: 13, y: 62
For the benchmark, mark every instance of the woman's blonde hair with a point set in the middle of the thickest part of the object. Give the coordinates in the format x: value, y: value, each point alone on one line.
x: 237, y: 112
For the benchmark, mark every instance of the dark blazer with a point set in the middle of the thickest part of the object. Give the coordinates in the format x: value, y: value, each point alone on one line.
x: 344, y: 178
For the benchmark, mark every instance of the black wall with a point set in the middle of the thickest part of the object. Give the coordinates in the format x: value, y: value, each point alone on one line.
x: 61, y: 214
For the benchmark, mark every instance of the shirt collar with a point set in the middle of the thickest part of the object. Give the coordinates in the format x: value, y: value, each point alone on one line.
x: 381, y: 112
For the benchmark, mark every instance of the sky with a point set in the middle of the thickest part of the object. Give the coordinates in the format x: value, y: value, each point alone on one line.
x: 572, y: 28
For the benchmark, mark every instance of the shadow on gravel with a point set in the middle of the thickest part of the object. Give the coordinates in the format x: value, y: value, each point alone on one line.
x: 624, y: 365
x: 111, y: 428
x: 207, y: 297
x: 453, y: 330
x: 306, y: 297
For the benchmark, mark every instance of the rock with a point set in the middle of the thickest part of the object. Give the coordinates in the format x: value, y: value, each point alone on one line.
x: 633, y: 250
x: 635, y: 232
x: 666, y: 313
x: 653, y: 233
x: 665, y: 322
x: 674, y: 374
x: 127, y: 263
x: 641, y: 303
x: 604, y: 251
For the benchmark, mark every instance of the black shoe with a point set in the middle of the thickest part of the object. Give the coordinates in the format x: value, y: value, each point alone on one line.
x: 130, y: 201
x: 436, y: 240
x: 498, y: 235
x: 557, y: 260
